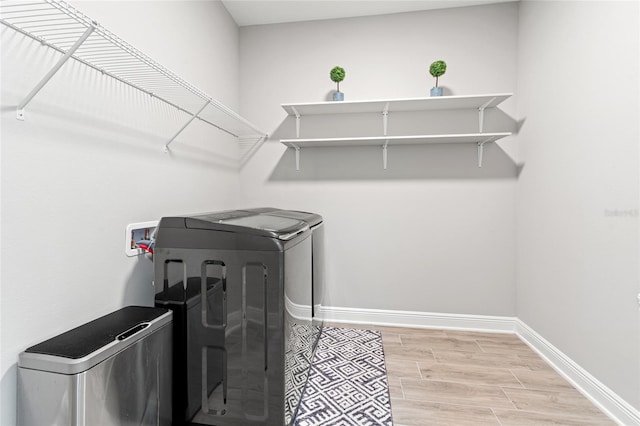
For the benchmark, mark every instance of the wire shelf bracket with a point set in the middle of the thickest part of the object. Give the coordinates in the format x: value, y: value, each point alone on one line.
x: 193, y: 117
x: 53, y: 71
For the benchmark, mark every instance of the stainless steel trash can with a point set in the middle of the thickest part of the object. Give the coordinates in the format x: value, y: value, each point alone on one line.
x: 115, y: 370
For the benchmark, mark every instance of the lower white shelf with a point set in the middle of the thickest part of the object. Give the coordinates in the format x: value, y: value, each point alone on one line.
x: 384, y: 141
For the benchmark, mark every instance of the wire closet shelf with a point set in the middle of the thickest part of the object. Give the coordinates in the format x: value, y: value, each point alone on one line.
x: 60, y: 26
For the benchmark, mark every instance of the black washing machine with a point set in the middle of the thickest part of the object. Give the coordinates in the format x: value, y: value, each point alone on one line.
x: 316, y: 224
x: 244, y: 337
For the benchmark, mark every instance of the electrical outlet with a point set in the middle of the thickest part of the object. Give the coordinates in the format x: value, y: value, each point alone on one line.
x: 136, y: 232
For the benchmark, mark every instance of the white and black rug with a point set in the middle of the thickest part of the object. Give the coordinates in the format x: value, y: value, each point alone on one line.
x: 347, y: 383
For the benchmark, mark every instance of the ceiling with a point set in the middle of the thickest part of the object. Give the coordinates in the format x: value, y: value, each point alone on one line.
x: 259, y: 12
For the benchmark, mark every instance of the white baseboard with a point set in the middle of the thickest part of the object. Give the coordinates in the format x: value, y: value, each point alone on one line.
x: 604, y: 398
x: 418, y: 319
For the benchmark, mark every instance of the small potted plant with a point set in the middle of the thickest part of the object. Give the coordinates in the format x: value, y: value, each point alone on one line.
x: 337, y: 75
x: 437, y: 69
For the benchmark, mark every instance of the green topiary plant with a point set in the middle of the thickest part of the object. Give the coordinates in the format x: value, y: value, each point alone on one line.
x: 437, y: 69
x: 337, y: 75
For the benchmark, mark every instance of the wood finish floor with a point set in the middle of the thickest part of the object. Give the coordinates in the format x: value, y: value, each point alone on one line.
x: 444, y: 377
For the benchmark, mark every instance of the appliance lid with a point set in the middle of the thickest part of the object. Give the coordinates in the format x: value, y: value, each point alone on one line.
x: 312, y: 219
x: 224, y: 215
x: 268, y: 223
x: 282, y: 228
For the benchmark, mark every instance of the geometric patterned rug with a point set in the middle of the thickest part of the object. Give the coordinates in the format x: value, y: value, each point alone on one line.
x: 347, y: 383
x: 297, y: 361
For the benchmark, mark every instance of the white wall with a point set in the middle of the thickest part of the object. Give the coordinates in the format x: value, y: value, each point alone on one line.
x: 578, y: 191
x: 433, y: 233
x: 88, y: 160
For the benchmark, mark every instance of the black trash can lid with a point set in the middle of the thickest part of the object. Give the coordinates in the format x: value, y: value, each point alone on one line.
x: 86, y: 343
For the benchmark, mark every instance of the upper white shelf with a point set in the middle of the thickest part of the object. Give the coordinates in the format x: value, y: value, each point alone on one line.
x: 479, y: 102
x: 58, y: 25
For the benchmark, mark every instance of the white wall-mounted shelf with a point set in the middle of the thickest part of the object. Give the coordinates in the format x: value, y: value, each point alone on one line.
x: 386, y: 106
x: 395, y: 140
x: 480, y: 139
x: 59, y: 26
x: 405, y: 104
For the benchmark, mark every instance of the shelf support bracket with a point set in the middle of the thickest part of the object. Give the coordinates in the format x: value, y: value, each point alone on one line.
x: 53, y: 71
x: 481, y: 150
x: 384, y: 154
x: 295, y: 111
x: 385, y: 119
x: 193, y: 117
x: 481, y: 114
x: 297, y: 148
